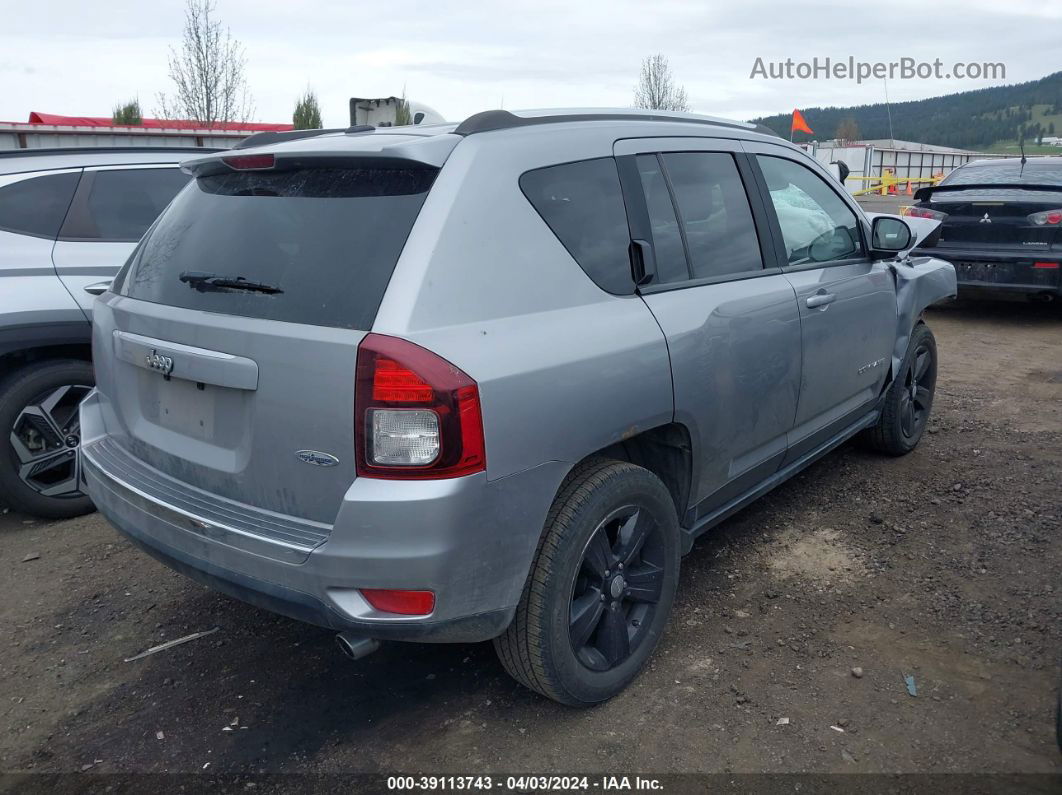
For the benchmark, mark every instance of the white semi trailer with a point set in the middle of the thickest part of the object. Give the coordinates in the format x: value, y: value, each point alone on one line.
x: 383, y: 112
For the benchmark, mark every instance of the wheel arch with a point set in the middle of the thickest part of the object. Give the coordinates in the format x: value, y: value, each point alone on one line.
x: 13, y: 361
x: 27, y: 343
x: 666, y: 451
x: 920, y: 283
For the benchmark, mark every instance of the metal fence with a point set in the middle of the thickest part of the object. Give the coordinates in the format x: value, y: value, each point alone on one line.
x: 872, y: 161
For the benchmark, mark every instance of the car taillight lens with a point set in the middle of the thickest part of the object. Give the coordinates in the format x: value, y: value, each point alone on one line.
x: 925, y: 212
x: 415, y: 414
x: 405, y: 603
x: 1046, y: 218
x: 404, y: 437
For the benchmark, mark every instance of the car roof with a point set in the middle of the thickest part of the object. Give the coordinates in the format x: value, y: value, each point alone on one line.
x: 22, y: 160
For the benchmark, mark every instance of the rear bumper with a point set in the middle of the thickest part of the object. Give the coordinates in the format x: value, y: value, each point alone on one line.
x: 998, y: 271
x: 468, y: 539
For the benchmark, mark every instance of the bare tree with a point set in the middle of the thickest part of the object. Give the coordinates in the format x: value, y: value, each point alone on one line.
x: 847, y: 131
x: 207, y: 72
x: 656, y: 89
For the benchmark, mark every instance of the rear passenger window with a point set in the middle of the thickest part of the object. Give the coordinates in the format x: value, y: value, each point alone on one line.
x: 716, y: 216
x: 121, y: 204
x: 36, y: 206
x: 583, y: 205
x: 667, y: 239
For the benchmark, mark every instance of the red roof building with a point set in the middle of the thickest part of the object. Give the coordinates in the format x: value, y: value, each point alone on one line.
x: 174, y: 124
x: 49, y: 130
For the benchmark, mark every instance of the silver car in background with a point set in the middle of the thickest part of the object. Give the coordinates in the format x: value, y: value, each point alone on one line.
x: 69, y: 218
x: 491, y: 380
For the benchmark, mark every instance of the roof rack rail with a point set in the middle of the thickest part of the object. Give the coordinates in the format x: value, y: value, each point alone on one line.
x: 275, y: 137
x: 102, y: 150
x: 763, y: 128
x: 490, y: 120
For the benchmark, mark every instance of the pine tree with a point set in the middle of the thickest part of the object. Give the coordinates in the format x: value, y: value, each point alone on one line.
x: 307, y: 115
x: 128, y: 114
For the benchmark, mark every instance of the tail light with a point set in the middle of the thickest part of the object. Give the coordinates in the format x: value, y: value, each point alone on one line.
x: 925, y: 212
x: 416, y: 416
x: 1046, y: 218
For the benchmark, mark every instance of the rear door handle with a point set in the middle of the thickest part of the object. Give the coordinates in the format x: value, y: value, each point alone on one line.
x: 820, y: 299
x: 643, y: 267
x: 99, y: 288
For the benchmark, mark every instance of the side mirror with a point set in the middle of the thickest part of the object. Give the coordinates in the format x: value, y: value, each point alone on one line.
x: 837, y: 243
x: 889, y: 235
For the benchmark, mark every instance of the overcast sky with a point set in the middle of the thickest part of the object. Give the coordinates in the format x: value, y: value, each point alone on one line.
x: 79, y: 58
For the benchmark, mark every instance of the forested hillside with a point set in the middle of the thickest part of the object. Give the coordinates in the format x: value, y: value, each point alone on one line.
x: 981, y: 119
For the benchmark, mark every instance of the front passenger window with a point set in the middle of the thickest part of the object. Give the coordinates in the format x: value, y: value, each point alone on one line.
x: 817, y: 225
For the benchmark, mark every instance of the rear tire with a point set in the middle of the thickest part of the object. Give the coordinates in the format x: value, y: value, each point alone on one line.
x: 40, y: 438
x: 909, y: 399
x: 601, y: 586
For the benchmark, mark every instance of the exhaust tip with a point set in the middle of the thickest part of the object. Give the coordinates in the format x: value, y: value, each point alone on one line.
x: 356, y: 646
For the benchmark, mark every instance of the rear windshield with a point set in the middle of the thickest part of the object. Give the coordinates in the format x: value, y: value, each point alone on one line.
x: 1007, y: 173
x: 320, y: 244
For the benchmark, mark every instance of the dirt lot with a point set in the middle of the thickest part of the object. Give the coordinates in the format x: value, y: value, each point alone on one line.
x: 943, y: 566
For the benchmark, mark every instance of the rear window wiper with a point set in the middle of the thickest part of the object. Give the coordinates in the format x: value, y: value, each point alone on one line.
x: 200, y: 280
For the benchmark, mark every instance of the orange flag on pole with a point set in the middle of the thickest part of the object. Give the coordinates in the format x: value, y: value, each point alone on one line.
x: 799, y: 124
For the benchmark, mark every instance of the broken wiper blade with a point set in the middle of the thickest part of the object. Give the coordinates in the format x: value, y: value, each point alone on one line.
x: 200, y: 280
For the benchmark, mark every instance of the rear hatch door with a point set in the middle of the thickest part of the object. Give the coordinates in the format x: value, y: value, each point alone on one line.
x: 235, y: 331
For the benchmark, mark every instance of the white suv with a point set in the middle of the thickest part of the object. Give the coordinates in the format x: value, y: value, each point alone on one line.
x: 69, y: 218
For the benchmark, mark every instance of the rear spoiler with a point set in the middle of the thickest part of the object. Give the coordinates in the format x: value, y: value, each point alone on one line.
x: 384, y: 149
x: 924, y: 193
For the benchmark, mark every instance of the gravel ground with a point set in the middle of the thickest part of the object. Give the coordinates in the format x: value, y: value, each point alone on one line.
x: 796, y: 623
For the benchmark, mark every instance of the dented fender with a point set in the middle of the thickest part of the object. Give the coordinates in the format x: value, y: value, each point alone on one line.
x: 920, y: 283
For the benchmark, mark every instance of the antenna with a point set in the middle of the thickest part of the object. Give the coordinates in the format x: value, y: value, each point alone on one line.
x: 1021, y: 145
x: 888, y: 109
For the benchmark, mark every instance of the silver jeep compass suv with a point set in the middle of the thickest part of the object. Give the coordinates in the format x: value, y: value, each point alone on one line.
x: 69, y: 218
x: 491, y: 380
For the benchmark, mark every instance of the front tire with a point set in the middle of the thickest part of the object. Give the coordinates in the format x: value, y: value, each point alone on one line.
x: 601, y: 586
x: 909, y: 399
x: 40, y: 438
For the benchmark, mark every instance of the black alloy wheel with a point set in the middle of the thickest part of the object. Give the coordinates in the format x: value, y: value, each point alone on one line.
x: 616, y: 588
x: 917, y: 397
